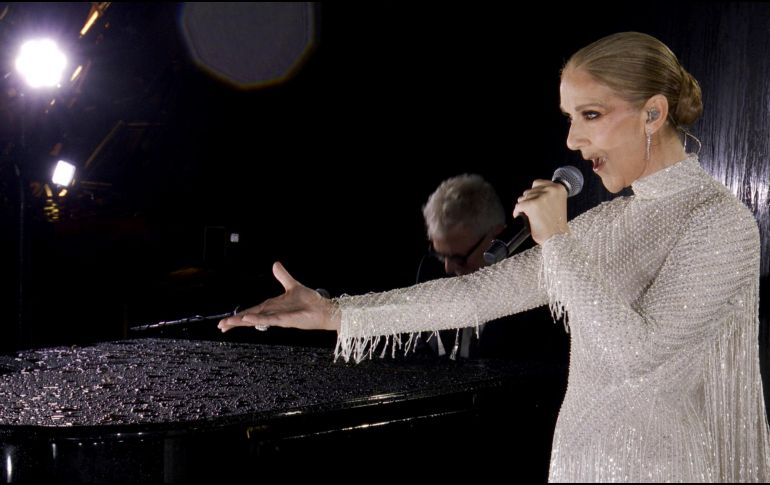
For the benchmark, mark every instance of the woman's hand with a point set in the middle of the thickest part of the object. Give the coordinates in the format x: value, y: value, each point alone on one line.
x: 299, y: 307
x: 545, y: 205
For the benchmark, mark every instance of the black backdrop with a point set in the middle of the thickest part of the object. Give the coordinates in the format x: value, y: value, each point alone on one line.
x: 327, y: 172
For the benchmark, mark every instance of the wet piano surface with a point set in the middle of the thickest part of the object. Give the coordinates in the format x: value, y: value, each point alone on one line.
x: 180, y: 410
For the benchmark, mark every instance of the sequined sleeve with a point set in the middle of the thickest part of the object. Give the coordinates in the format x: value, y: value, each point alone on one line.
x: 705, y: 276
x: 378, y: 320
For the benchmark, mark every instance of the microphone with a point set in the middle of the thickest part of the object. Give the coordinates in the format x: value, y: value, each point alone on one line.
x: 572, y: 180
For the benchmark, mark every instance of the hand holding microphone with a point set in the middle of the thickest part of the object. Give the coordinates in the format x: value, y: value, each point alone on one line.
x: 544, y: 205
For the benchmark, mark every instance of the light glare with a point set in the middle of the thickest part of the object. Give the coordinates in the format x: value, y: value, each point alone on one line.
x: 89, y: 22
x: 63, y: 173
x: 41, y: 63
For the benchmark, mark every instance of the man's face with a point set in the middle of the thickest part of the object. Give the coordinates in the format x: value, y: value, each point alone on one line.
x: 461, y: 250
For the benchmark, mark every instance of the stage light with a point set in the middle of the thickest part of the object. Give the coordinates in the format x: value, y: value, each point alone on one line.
x: 63, y: 173
x: 41, y: 63
x: 76, y: 73
x: 91, y: 19
x: 97, y: 10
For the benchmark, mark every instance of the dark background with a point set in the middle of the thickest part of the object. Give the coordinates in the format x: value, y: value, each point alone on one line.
x: 327, y: 171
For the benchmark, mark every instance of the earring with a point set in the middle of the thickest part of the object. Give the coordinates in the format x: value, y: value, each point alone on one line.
x: 649, y: 144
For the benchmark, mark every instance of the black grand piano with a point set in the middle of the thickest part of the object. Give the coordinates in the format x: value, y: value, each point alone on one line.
x: 171, y: 410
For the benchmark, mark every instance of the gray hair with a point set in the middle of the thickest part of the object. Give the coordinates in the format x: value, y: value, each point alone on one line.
x: 466, y: 200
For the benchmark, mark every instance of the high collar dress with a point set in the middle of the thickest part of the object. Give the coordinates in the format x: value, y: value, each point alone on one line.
x: 660, y: 294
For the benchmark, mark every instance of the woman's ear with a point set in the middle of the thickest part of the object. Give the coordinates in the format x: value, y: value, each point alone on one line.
x: 656, y: 109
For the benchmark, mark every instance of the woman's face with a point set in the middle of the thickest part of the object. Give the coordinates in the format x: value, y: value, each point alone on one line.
x: 608, y: 131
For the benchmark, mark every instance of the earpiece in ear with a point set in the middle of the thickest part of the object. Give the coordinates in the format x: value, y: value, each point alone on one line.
x: 652, y: 115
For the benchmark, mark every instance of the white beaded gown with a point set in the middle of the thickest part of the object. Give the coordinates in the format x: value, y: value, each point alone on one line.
x: 660, y: 291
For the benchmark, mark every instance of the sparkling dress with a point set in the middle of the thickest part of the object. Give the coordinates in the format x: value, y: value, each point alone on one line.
x: 660, y: 292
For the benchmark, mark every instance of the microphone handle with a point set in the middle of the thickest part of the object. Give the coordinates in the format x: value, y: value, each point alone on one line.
x: 499, y: 249
x: 568, y: 177
x: 520, y: 238
x: 525, y: 232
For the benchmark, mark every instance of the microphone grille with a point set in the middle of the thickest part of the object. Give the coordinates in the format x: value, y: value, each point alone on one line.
x: 570, y: 177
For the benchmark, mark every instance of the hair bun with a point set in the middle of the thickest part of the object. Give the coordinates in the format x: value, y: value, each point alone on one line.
x: 689, y: 107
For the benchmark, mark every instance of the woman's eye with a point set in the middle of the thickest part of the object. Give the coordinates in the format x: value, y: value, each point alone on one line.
x: 590, y: 115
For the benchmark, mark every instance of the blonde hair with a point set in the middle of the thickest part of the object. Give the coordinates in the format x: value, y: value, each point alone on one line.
x: 466, y: 200
x: 638, y: 66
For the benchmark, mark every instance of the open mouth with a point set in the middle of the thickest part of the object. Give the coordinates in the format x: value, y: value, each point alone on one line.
x: 598, y: 163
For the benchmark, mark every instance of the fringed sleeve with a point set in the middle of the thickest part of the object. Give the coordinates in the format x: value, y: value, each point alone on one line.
x: 376, y: 320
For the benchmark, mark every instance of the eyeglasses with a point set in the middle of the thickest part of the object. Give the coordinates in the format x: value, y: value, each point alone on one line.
x: 458, y: 259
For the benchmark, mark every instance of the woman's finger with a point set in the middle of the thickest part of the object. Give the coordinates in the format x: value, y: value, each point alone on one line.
x: 283, y: 276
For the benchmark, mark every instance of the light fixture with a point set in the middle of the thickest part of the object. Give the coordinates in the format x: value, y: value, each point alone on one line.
x: 76, y: 73
x: 97, y: 10
x: 41, y: 63
x: 63, y: 173
x: 91, y: 19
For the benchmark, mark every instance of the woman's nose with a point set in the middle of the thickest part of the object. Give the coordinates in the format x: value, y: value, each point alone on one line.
x: 575, y: 137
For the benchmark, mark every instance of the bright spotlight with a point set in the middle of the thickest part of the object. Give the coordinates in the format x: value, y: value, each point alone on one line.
x: 63, y: 173
x: 41, y: 63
